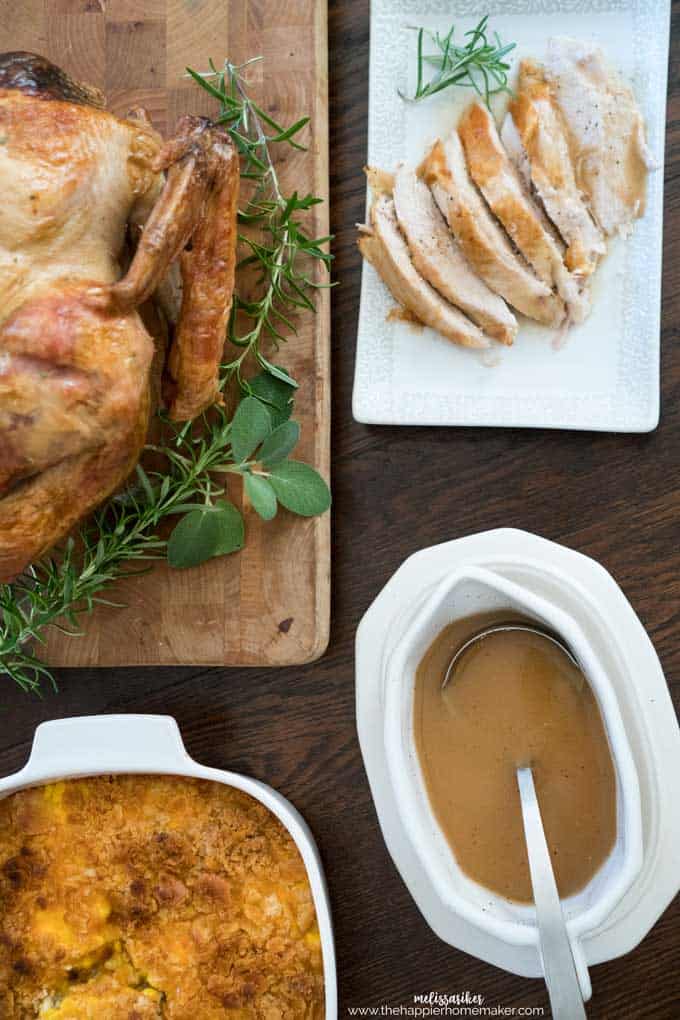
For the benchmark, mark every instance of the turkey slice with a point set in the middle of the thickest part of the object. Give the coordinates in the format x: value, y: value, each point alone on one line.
x: 482, y: 240
x: 535, y: 135
x: 606, y: 131
x: 386, y: 249
x: 526, y: 224
x: 437, y: 256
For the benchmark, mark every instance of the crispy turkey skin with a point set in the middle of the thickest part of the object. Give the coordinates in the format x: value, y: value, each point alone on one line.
x: 75, y: 356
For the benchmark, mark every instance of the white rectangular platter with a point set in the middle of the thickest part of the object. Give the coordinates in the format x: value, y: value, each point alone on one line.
x: 605, y: 375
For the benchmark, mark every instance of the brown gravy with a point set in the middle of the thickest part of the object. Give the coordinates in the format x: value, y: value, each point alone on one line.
x: 515, y: 699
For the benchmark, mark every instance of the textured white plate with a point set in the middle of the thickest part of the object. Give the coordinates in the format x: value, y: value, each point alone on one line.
x: 606, y: 376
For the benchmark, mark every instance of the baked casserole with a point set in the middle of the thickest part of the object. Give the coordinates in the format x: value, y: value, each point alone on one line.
x: 127, y: 897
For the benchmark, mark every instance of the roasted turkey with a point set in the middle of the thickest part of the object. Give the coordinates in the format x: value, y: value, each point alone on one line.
x: 76, y: 360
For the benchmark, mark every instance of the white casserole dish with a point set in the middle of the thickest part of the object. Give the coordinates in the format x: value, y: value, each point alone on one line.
x: 152, y: 745
x: 464, y: 592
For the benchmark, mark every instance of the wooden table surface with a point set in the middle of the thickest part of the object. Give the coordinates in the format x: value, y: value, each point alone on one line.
x: 616, y: 498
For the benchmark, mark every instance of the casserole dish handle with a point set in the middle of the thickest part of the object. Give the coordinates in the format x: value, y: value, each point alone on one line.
x: 107, y: 742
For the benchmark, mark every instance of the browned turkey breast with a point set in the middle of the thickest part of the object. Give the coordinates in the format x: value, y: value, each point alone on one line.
x: 438, y: 258
x: 75, y: 356
x: 481, y: 238
x: 535, y: 134
x: 386, y: 249
x: 505, y: 193
x: 606, y: 132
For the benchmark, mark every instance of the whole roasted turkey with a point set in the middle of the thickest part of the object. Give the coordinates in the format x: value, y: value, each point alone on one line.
x: 78, y: 377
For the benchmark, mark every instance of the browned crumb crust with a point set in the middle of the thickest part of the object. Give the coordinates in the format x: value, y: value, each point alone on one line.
x: 129, y: 897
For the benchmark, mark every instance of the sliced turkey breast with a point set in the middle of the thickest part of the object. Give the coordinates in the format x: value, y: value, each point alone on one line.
x: 379, y: 180
x: 386, y: 249
x: 500, y: 183
x: 536, y: 137
x: 482, y: 240
x: 606, y: 131
x: 437, y: 256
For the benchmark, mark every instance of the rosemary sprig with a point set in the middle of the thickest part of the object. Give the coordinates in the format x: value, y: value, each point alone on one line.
x: 123, y: 536
x: 479, y: 64
x: 118, y: 540
x: 282, y: 260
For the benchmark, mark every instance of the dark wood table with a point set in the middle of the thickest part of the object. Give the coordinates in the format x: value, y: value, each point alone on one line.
x: 616, y: 498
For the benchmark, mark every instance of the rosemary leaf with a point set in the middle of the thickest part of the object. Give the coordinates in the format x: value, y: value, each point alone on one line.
x: 478, y: 64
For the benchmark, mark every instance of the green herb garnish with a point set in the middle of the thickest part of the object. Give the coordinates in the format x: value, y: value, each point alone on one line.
x: 478, y: 64
x: 278, y: 248
x: 282, y: 264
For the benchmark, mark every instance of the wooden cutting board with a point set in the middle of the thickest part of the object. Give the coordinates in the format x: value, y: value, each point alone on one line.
x: 269, y: 604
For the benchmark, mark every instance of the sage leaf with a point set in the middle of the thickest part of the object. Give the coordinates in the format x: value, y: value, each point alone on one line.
x: 280, y: 443
x: 300, y: 488
x: 276, y: 394
x: 261, y: 495
x: 276, y: 372
x: 211, y: 531
x: 252, y: 423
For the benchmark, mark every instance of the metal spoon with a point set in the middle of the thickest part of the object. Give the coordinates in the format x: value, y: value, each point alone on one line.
x: 559, y: 968
x: 498, y: 628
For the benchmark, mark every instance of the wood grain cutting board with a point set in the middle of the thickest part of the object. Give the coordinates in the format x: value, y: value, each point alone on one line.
x: 268, y: 605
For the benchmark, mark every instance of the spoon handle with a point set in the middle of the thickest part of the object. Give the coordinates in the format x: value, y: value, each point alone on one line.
x: 558, y: 962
